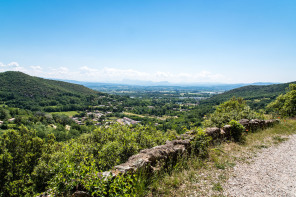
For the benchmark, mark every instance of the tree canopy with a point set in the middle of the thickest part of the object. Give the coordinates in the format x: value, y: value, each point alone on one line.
x: 234, y: 109
x: 285, y: 104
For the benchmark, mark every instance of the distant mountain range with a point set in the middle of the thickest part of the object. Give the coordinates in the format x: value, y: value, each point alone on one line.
x: 135, y: 83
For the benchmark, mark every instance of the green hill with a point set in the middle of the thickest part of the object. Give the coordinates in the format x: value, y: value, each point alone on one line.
x: 257, y: 96
x: 21, y: 90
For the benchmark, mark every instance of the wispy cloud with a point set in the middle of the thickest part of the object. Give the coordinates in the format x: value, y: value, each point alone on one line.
x: 12, y: 66
x: 109, y: 74
x: 114, y: 74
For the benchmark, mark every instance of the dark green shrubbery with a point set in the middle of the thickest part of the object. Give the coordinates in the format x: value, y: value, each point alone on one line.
x: 200, y: 143
x: 236, y: 130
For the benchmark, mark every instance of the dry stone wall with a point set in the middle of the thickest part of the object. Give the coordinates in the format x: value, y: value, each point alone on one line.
x: 148, y: 158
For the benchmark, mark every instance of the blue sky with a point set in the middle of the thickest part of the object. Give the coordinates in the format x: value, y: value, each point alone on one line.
x: 183, y: 41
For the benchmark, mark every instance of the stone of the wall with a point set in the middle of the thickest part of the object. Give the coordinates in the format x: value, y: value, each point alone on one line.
x: 255, y: 124
x: 214, y: 132
x: 150, y: 157
x: 80, y: 194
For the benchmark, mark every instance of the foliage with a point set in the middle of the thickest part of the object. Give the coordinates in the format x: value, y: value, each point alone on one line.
x: 200, y: 143
x: 234, y: 109
x: 285, y: 104
x: 236, y: 130
x: 19, y: 154
x: 29, y: 164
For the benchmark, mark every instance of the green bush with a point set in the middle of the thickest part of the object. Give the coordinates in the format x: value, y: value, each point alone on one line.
x: 234, y: 109
x: 236, y: 130
x: 200, y: 144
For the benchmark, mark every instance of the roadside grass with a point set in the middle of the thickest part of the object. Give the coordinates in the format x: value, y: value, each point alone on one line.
x: 197, y: 177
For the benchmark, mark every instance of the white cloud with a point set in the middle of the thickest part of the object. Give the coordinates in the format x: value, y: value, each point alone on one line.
x: 13, y: 64
x: 113, y: 74
x: 109, y: 74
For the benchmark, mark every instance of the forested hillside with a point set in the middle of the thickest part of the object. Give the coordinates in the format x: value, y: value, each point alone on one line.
x: 257, y: 96
x: 20, y: 90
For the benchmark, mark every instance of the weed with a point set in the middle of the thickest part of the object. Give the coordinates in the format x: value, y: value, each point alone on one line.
x: 260, y: 146
x: 278, y: 139
x: 217, y: 187
x: 220, y: 166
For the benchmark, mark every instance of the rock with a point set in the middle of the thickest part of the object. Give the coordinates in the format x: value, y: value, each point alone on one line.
x: 150, y: 157
x: 80, y: 194
x: 226, y: 131
x: 214, y: 132
x: 245, y: 123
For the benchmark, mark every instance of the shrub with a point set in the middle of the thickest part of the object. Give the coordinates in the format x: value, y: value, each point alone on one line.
x: 236, y: 130
x: 200, y: 143
x: 234, y: 109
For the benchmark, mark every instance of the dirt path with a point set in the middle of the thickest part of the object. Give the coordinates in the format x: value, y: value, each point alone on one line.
x: 272, y: 173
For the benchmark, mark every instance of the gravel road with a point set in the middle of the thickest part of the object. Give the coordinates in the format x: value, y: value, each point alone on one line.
x: 272, y: 173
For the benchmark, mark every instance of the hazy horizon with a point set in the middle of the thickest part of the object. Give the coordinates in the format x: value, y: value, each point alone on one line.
x: 180, y: 42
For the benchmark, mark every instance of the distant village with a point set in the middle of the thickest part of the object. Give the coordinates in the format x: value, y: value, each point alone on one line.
x: 96, y: 119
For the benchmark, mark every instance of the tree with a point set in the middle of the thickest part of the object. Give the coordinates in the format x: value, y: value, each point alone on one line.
x: 234, y: 109
x: 4, y: 114
x: 285, y: 104
x: 19, y: 153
